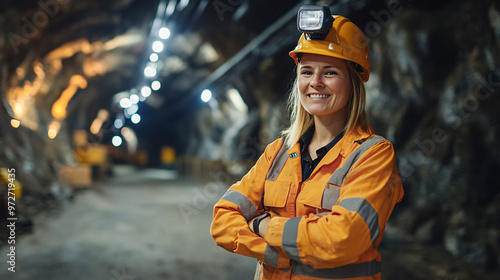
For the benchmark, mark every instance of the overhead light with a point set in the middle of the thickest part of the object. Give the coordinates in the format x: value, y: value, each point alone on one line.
x: 117, y: 141
x: 164, y: 33
x: 118, y: 123
x: 132, y: 109
x: 146, y: 91
x: 206, y: 95
x: 135, y: 118
x: 134, y: 98
x: 15, y: 123
x: 54, y: 128
x: 125, y: 103
x: 153, y: 57
x: 149, y: 71
x: 157, y: 46
x: 52, y: 133
x: 155, y: 85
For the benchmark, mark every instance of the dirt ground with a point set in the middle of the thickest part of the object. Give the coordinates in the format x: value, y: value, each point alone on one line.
x: 130, y: 227
x: 147, y: 224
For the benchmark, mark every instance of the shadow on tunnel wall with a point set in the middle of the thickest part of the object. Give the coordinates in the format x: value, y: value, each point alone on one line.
x: 433, y: 92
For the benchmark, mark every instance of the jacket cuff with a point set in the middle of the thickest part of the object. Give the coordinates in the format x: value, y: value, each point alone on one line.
x: 274, y: 232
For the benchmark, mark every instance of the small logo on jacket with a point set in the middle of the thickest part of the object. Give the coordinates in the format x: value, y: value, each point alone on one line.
x: 294, y: 155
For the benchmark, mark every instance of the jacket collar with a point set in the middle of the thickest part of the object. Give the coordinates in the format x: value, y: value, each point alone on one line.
x: 306, y: 138
x: 344, y: 146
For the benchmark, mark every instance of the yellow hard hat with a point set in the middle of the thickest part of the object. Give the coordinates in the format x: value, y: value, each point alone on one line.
x: 344, y: 40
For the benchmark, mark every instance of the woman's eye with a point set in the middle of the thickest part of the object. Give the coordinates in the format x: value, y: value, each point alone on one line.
x: 330, y: 73
x: 307, y: 73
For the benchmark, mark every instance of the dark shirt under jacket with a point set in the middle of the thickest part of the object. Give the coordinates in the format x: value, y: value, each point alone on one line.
x: 308, y: 164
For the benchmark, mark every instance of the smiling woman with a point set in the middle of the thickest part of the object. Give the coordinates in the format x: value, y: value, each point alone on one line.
x: 325, y: 89
x: 316, y: 203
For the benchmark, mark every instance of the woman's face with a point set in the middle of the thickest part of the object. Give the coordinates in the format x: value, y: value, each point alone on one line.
x: 324, y: 85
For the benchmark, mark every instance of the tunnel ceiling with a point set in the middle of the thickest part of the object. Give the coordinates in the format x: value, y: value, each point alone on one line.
x: 73, y: 58
x: 65, y: 60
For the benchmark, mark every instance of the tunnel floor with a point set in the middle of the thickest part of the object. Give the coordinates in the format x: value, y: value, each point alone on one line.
x: 148, y: 224
x: 130, y: 227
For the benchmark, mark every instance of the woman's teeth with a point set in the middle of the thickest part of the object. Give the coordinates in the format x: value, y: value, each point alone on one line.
x: 319, y: 95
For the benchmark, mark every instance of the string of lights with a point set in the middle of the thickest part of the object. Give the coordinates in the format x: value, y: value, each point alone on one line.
x: 130, y: 101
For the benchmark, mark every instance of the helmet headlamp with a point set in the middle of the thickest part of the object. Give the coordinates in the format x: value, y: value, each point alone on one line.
x: 314, y: 21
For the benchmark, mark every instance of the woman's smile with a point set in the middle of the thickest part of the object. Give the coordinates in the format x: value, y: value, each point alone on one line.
x: 318, y: 96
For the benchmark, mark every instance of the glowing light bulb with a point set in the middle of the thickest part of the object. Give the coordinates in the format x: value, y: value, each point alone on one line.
x: 118, y: 123
x: 154, y: 57
x: 157, y: 46
x: 136, y: 118
x: 164, y: 33
x: 15, y: 123
x: 149, y: 71
x: 132, y: 109
x: 134, y: 98
x: 117, y: 141
x: 125, y: 103
x: 146, y: 91
x: 206, y: 95
x: 155, y: 85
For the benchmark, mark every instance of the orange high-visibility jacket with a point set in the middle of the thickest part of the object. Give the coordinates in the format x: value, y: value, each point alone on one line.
x: 357, y: 181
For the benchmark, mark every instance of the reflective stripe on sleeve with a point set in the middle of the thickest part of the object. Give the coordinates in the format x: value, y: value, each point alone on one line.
x: 354, y: 270
x: 330, y: 197
x: 366, y: 211
x: 271, y: 256
x: 289, y: 239
x: 247, y: 208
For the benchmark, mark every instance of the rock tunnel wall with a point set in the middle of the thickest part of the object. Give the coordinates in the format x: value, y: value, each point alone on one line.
x: 434, y: 93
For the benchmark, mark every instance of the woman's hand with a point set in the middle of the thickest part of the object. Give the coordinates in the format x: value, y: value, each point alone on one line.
x: 262, y: 226
x: 322, y: 214
x: 265, y: 222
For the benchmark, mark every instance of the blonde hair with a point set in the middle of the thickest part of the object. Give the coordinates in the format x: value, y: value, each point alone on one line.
x: 301, y: 120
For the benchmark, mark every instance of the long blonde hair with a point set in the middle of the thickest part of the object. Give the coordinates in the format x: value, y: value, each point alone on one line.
x: 301, y: 120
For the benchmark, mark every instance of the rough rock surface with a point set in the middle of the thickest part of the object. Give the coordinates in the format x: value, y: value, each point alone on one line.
x: 434, y: 93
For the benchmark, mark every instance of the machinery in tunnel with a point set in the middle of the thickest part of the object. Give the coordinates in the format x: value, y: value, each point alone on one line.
x: 200, y: 86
